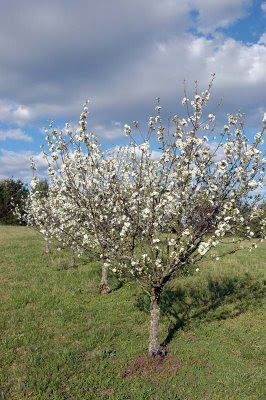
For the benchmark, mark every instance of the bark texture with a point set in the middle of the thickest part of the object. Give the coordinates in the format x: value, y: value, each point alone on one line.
x: 154, y: 346
x: 104, y: 288
x: 46, y: 247
x: 73, y: 260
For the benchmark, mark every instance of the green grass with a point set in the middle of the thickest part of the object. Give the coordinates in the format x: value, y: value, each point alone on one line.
x: 61, y: 340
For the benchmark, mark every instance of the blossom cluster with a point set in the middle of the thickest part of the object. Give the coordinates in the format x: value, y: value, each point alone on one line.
x: 147, y: 217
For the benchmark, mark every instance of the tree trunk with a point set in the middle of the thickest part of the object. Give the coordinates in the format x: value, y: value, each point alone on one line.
x: 154, y: 346
x: 73, y: 259
x: 46, y: 247
x: 104, y: 288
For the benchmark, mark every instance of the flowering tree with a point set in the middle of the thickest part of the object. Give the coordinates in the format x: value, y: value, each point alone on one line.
x: 34, y: 210
x: 182, y: 205
x: 150, y: 217
x: 82, y: 195
x: 53, y: 222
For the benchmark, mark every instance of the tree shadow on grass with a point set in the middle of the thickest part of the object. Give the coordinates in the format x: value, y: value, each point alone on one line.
x: 214, y: 299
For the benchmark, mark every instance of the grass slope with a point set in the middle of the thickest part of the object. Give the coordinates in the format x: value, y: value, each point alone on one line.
x: 62, y: 340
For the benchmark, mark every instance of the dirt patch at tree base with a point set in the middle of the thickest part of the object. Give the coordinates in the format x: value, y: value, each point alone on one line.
x: 146, y: 364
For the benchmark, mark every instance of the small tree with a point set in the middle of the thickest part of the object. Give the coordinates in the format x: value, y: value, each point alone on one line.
x: 255, y: 223
x: 82, y: 177
x: 35, y: 209
x: 42, y: 212
x: 180, y: 206
x: 42, y: 193
x: 152, y: 218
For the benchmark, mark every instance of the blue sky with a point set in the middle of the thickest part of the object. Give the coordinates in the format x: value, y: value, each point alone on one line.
x: 121, y: 55
x: 249, y: 28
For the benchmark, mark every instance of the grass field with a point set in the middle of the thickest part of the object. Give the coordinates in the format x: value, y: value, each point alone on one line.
x: 61, y: 340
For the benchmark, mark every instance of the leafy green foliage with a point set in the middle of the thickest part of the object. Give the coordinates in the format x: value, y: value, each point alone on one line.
x: 255, y: 223
x: 42, y: 187
x: 11, y: 192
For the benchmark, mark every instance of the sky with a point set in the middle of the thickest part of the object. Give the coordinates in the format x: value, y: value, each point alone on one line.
x: 121, y: 54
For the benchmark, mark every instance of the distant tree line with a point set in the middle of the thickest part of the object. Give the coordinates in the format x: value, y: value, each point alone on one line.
x: 15, y: 192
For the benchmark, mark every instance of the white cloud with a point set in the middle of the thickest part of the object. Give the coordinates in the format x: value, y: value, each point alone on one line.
x: 52, y: 66
x: 219, y: 151
x: 15, y: 113
x: 123, y: 150
x: 239, y: 69
x: 263, y: 6
x: 14, y: 134
x: 218, y: 14
x: 123, y: 55
x: 155, y: 155
x: 262, y: 39
x: 113, y: 132
x: 17, y: 164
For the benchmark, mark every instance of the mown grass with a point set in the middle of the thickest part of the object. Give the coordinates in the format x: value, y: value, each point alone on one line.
x: 62, y: 340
